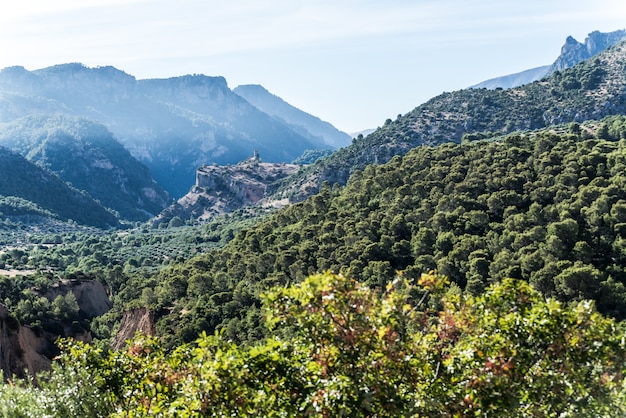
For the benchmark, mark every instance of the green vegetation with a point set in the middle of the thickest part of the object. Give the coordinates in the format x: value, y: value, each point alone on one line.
x: 340, y: 348
x: 27, y: 182
x: 543, y: 208
x: 524, y: 234
x: 87, y: 156
x: 44, y: 254
x: 312, y: 155
x: 590, y: 90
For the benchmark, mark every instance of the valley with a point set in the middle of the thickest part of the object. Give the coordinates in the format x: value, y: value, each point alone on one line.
x: 473, y: 246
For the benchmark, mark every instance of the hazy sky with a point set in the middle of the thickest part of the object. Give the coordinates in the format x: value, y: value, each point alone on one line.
x: 353, y: 63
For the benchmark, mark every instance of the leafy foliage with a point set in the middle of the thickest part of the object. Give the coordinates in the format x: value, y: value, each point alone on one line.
x: 544, y: 208
x: 351, y: 350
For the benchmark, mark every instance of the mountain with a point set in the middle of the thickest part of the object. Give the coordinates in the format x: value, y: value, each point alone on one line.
x: 224, y: 189
x: 85, y: 154
x: 514, y: 80
x: 590, y: 90
x: 572, y: 53
x: 27, y: 182
x: 546, y: 207
x: 172, y: 125
x: 301, y: 122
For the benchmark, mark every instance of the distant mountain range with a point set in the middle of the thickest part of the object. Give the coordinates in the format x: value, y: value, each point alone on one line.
x: 68, y: 120
x: 572, y: 53
x: 301, y: 122
x: 591, y: 89
x: 172, y: 125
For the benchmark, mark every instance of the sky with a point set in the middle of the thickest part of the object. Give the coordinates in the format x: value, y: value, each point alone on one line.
x: 353, y: 63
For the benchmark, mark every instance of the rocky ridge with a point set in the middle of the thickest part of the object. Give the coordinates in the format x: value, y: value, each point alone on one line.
x: 572, y: 52
x: 224, y: 189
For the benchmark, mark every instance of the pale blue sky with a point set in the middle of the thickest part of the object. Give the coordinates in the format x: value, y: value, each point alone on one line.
x: 353, y: 63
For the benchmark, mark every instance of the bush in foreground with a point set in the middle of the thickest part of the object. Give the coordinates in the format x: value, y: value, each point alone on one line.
x: 340, y: 348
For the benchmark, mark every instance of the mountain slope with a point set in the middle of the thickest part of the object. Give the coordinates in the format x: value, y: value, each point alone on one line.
x: 590, y: 90
x: 572, y: 53
x: 305, y: 123
x: 24, y: 180
x: 172, y: 125
x: 544, y: 207
x: 85, y: 154
x: 514, y: 80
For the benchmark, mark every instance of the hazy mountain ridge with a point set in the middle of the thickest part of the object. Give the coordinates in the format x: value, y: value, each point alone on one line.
x: 172, y: 125
x: 23, y: 179
x: 85, y: 154
x: 572, y: 52
x: 300, y: 121
x: 514, y: 80
x: 590, y: 90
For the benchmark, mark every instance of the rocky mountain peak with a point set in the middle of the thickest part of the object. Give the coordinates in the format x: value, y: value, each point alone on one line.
x: 574, y: 52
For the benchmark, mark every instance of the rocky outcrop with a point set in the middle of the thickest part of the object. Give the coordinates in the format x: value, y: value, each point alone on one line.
x: 134, y: 321
x: 223, y: 189
x: 91, y: 296
x: 574, y: 52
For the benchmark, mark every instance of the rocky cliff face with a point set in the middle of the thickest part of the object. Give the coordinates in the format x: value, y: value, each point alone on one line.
x: 26, y: 351
x: 223, y: 189
x: 574, y: 52
x: 136, y: 320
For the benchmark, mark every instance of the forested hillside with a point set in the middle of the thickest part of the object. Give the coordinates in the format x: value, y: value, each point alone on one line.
x: 26, y: 189
x: 86, y: 155
x: 545, y: 208
x: 466, y: 259
x: 339, y: 348
x: 526, y: 231
x: 590, y: 90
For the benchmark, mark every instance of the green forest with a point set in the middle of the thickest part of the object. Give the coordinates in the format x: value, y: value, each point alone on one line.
x: 545, y: 208
x: 472, y: 279
x: 466, y: 259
